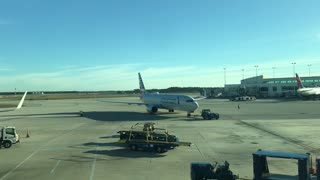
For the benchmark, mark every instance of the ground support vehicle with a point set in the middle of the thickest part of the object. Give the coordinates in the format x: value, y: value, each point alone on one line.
x: 317, y: 170
x: 203, y: 170
x: 261, y: 169
x: 150, y: 140
x: 146, y: 126
x: 207, y: 114
x: 8, y: 136
x: 243, y: 98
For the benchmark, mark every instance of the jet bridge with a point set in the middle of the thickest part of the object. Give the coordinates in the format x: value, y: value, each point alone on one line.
x: 261, y: 170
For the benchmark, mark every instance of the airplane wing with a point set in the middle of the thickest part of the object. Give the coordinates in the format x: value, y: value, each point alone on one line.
x: 136, y: 103
x: 198, y: 98
x: 129, y: 103
x: 22, y: 100
x: 19, y: 105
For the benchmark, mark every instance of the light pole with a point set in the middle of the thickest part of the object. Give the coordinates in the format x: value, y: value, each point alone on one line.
x: 309, y: 65
x: 294, y: 73
x: 242, y: 74
x: 256, y: 66
x: 293, y: 68
x: 273, y: 70
x: 225, y: 81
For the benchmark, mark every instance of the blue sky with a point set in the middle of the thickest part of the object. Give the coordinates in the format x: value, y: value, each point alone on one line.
x: 102, y: 44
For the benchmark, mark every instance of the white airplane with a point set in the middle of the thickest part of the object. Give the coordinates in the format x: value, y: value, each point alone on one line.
x: 19, y: 105
x: 315, y: 91
x: 171, y: 102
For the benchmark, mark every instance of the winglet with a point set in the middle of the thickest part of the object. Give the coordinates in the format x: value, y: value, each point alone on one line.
x: 142, y: 88
x: 299, y: 82
x: 22, y: 100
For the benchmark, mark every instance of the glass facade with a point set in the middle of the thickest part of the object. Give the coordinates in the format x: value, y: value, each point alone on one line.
x: 276, y: 87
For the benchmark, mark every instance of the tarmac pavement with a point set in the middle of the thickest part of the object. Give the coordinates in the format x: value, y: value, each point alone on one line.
x: 63, y: 145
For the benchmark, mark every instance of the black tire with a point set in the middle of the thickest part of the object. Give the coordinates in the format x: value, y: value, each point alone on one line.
x: 217, y: 116
x: 133, y: 147
x: 7, y: 144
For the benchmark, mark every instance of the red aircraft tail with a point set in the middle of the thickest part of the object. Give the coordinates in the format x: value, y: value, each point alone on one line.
x: 299, y: 83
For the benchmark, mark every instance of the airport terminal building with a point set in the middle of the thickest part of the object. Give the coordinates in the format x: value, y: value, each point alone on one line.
x: 269, y: 87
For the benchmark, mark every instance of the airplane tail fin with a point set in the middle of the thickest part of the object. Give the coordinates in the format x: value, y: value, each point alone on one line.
x: 22, y: 100
x: 299, y: 82
x: 141, y: 85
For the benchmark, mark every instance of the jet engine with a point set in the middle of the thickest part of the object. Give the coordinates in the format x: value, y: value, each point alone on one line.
x: 152, y: 109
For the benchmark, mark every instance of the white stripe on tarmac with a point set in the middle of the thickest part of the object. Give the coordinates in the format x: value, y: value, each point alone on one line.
x: 94, y: 164
x: 35, y: 152
x: 12, y: 170
x: 55, y: 167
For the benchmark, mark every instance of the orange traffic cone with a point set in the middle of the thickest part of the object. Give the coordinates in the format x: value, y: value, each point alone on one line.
x: 27, y: 136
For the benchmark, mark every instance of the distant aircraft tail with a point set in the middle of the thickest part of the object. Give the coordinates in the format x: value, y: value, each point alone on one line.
x: 142, y: 88
x: 22, y: 100
x: 299, y: 82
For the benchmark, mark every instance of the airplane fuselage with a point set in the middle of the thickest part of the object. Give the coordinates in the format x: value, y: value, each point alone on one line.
x: 169, y: 101
x: 309, y: 91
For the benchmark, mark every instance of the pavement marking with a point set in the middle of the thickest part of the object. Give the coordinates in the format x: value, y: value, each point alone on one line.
x: 287, y: 139
x: 199, y: 151
x: 9, y: 119
x: 36, y: 151
x: 94, y: 164
x: 55, y: 167
x: 12, y: 170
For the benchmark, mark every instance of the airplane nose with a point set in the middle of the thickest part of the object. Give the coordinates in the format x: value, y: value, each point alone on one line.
x: 196, y: 105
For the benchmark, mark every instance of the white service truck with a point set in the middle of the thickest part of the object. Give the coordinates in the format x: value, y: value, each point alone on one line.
x: 8, y: 136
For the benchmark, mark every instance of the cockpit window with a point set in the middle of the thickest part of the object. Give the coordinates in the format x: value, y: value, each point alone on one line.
x: 189, y: 100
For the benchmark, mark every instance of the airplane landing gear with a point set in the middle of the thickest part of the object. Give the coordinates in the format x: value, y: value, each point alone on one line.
x: 171, y: 110
x: 189, y: 114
